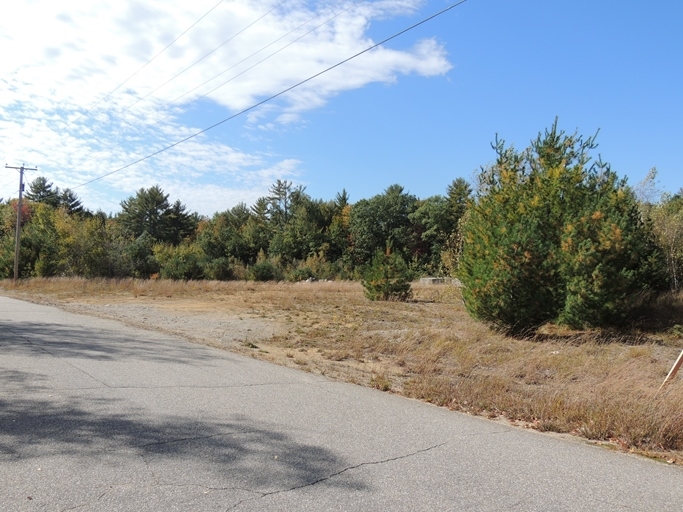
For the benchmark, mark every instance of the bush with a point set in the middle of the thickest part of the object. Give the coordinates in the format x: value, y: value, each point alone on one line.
x: 219, y: 269
x: 265, y: 270
x: 141, y: 255
x: 314, y: 266
x: 300, y: 273
x: 321, y: 268
x: 552, y: 237
x: 387, y: 278
x: 179, y: 263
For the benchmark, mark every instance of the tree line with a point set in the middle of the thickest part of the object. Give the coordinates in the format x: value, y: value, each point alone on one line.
x: 284, y: 235
x: 547, y: 234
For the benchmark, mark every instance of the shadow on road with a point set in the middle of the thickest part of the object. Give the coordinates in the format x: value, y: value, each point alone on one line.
x: 104, y: 344
x: 236, y: 452
x: 40, y: 421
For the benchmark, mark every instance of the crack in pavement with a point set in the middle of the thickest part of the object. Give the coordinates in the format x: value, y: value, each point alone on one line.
x: 155, y: 478
x: 85, y: 504
x: 346, y: 469
x: 209, y: 488
x: 199, y: 438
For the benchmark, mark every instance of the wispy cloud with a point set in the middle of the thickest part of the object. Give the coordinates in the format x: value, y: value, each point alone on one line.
x: 61, y: 59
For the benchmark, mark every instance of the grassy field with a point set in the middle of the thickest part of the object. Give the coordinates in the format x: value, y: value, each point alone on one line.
x: 600, y: 385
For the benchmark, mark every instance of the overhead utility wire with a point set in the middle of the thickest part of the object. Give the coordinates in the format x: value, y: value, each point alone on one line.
x: 312, y: 77
x: 256, y: 53
x: 147, y: 63
x: 250, y: 67
x: 194, y: 64
x: 201, y: 59
x: 269, y: 56
x: 117, y: 144
x: 7, y: 183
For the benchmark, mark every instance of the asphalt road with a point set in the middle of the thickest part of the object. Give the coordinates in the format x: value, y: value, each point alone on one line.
x: 95, y: 415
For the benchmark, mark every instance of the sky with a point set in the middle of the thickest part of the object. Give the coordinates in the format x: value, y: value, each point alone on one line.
x: 87, y: 89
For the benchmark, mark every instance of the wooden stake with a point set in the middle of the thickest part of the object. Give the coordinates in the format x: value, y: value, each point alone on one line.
x: 673, y: 372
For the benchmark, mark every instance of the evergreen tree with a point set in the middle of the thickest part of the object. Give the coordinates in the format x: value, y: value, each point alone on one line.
x: 43, y: 243
x: 458, y: 195
x: 280, y: 202
x: 387, y: 277
x: 146, y: 212
x: 433, y: 221
x: 341, y: 200
x: 150, y: 212
x: 552, y: 236
x: 141, y: 255
x: 305, y: 232
x: 42, y: 191
x: 70, y: 202
x: 179, y: 223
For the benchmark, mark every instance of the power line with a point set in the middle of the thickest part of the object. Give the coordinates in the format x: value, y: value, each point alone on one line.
x: 270, y: 98
x: 146, y: 64
x: 256, y: 53
x: 201, y: 59
x: 6, y: 183
x: 183, y: 71
x: 169, y: 103
x: 266, y: 58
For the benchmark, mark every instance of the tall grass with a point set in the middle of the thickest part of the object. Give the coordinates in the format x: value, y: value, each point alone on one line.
x: 598, y: 384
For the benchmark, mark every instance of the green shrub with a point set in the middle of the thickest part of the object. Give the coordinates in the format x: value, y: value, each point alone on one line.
x: 387, y: 278
x: 219, y: 269
x: 265, y: 270
x: 300, y: 274
x: 551, y: 236
x: 141, y: 255
x: 321, y: 268
x: 180, y: 263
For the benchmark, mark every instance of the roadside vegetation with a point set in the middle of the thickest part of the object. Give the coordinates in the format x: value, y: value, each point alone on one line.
x: 596, y: 383
x: 569, y: 316
x: 286, y: 235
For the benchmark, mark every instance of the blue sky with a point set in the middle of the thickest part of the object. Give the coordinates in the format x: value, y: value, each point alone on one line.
x: 421, y: 111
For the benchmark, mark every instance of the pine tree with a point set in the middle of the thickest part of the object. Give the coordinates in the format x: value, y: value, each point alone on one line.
x: 554, y: 236
x: 149, y: 211
x: 70, y: 202
x: 387, y: 277
x: 42, y: 191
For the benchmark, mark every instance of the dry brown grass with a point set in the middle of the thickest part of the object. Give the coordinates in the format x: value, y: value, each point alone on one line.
x: 596, y: 384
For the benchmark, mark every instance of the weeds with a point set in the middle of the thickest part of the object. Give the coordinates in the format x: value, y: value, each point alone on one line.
x: 380, y: 382
x: 599, y: 384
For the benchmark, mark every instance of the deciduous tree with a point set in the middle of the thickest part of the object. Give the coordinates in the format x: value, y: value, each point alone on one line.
x: 381, y: 220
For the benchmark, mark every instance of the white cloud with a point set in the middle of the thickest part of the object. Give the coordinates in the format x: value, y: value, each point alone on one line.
x: 60, y: 59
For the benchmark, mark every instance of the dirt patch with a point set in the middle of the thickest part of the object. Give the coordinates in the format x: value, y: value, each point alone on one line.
x: 201, y: 322
x: 599, y: 385
x: 276, y: 335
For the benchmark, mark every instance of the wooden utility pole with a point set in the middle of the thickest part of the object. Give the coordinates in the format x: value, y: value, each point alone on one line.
x: 17, y: 239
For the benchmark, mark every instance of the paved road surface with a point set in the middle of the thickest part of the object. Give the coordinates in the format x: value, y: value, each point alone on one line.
x: 95, y: 415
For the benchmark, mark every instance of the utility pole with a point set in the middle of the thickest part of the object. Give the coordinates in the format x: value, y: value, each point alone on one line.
x: 18, y: 231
